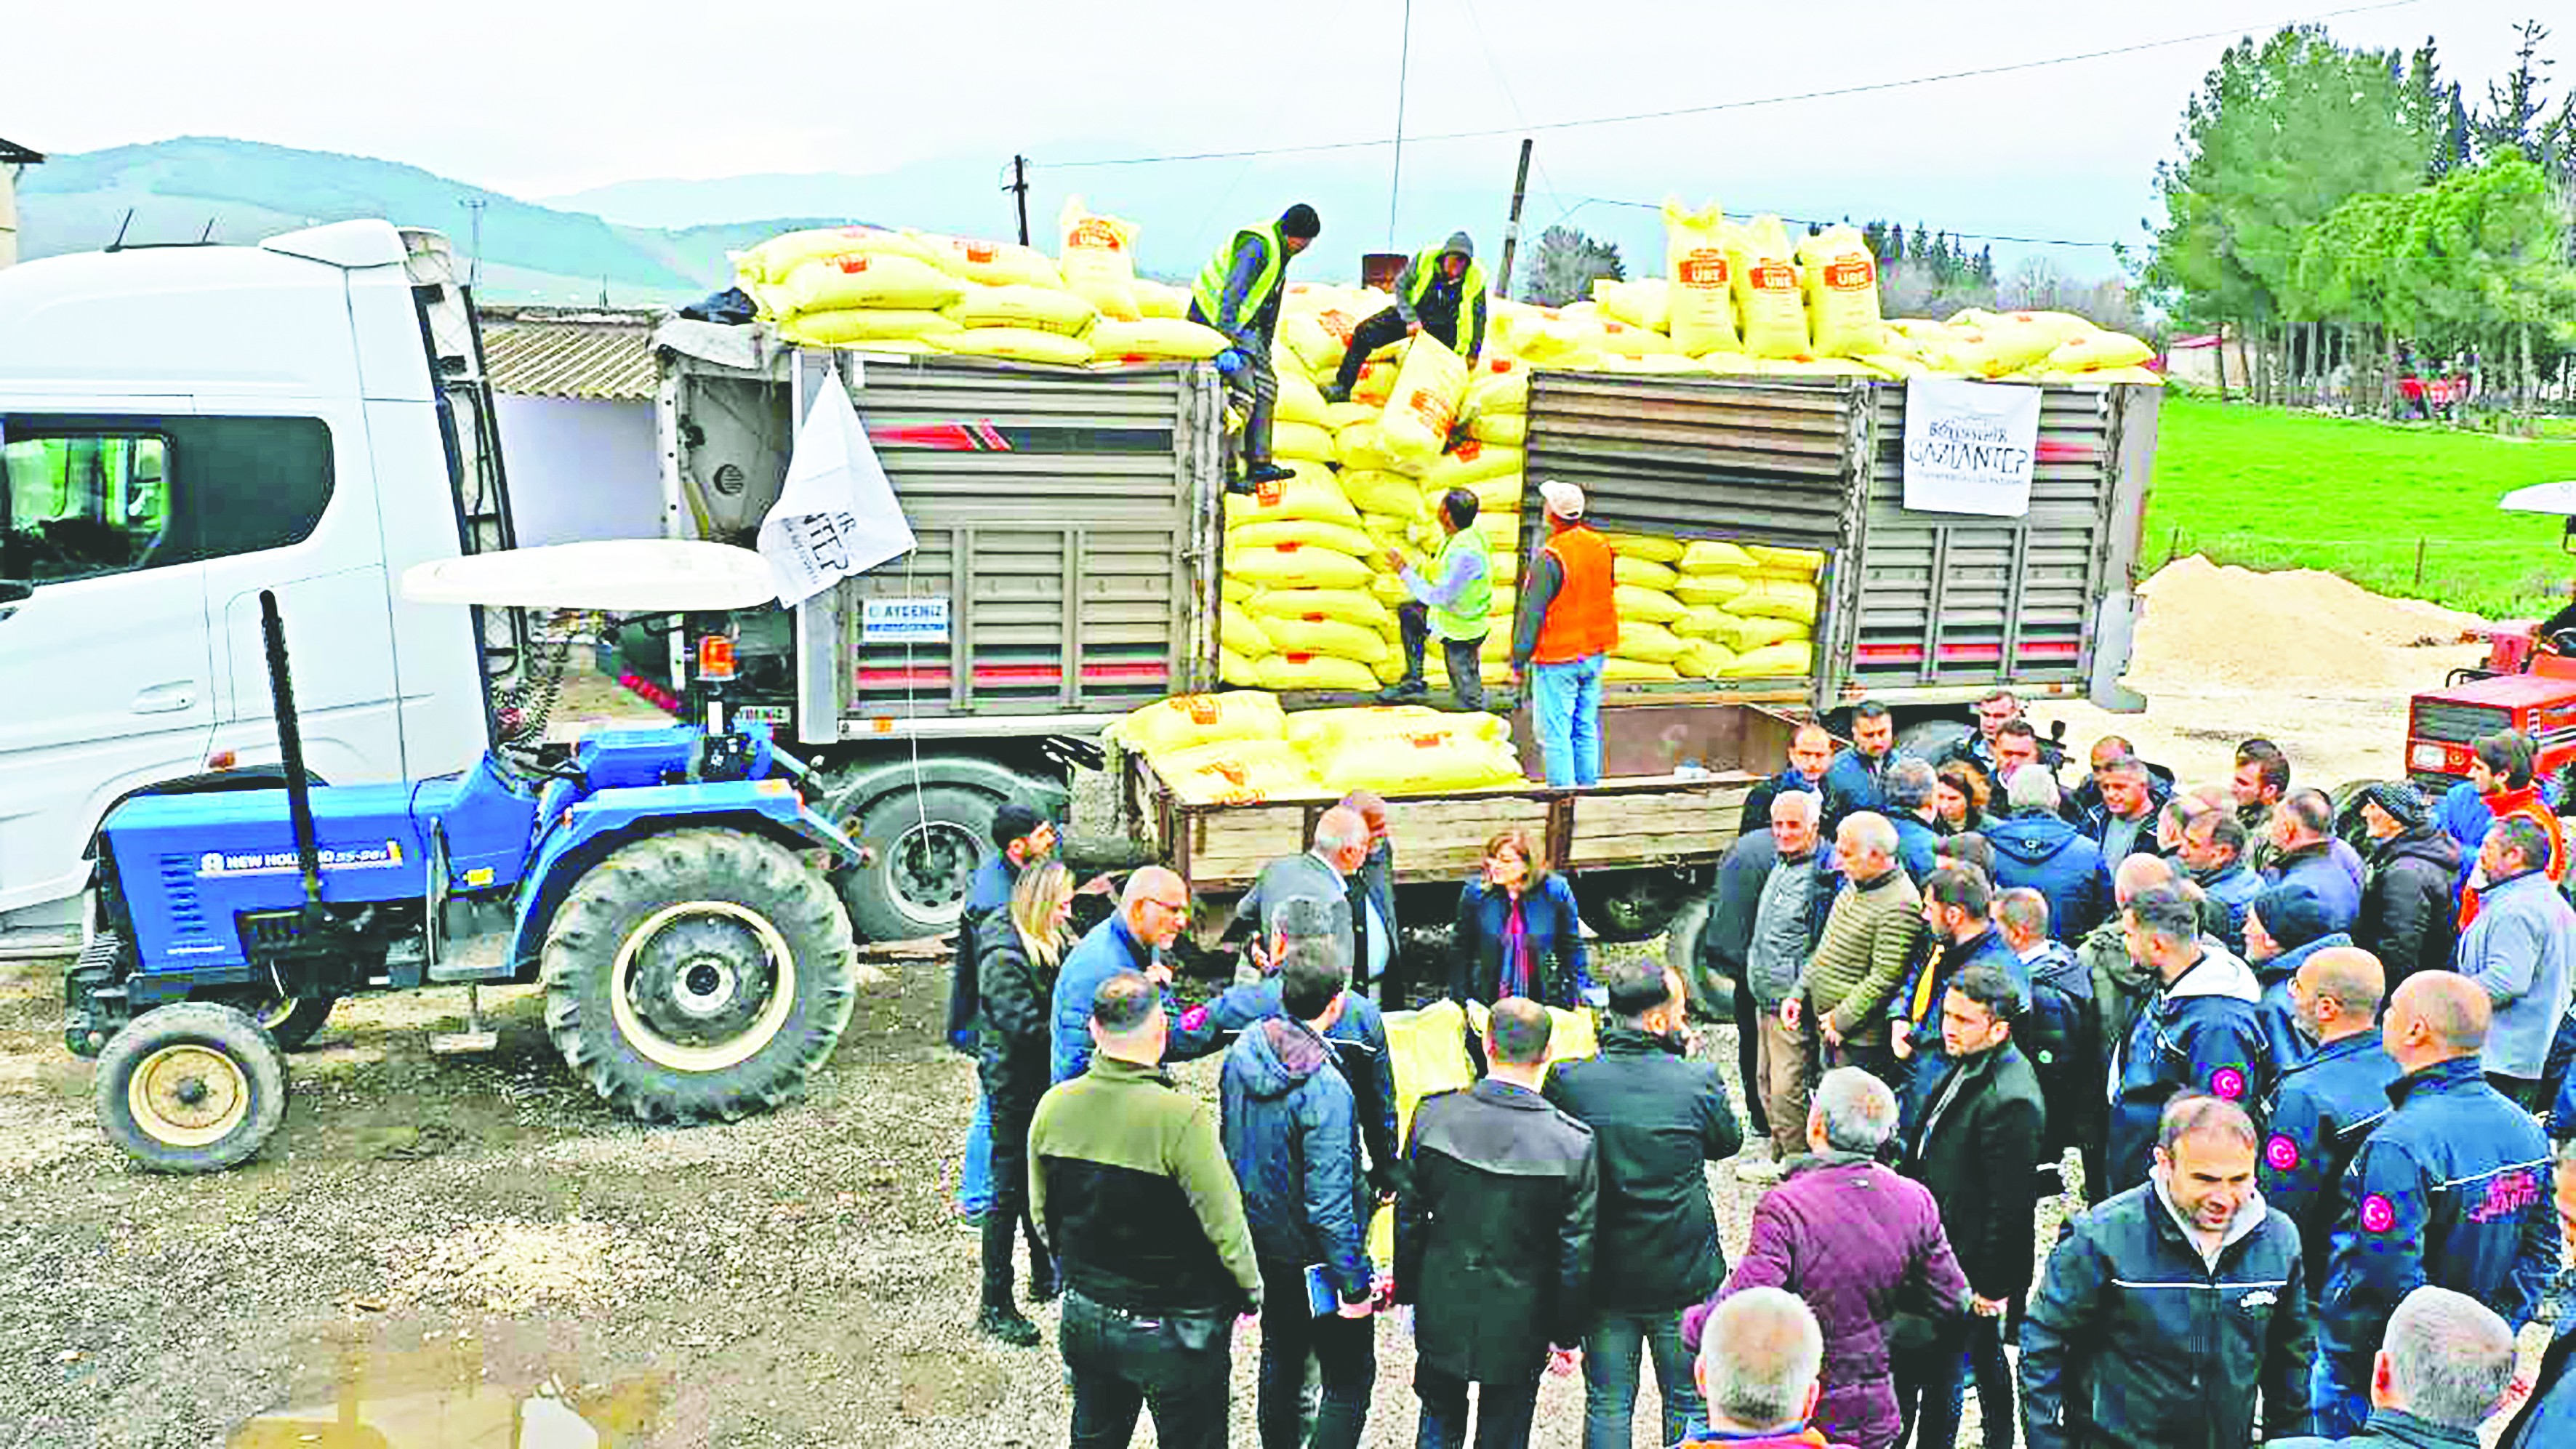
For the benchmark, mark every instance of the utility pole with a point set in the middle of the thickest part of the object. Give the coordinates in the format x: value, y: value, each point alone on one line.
x: 1512, y: 229
x: 474, y: 263
x: 1403, y: 68
x: 1019, y: 187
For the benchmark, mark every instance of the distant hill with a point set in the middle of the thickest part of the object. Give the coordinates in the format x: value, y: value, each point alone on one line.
x: 249, y: 190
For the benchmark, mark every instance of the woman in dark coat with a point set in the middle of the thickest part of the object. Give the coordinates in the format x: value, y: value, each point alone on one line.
x: 1518, y: 934
x: 1959, y: 797
x: 1017, y: 978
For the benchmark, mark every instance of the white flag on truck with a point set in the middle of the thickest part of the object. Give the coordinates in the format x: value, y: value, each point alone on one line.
x: 836, y: 515
x: 1970, y: 446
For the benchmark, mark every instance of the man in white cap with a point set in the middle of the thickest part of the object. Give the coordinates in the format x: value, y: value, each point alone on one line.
x: 1567, y: 625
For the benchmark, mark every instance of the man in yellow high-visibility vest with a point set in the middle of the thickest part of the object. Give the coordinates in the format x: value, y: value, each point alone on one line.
x: 1442, y: 292
x: 1238, y: 294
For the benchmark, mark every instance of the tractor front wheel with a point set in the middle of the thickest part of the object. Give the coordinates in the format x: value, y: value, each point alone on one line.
x: 195, y: 1086
x: 698, y: 975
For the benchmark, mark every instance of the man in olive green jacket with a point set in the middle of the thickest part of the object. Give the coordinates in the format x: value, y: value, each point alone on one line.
x: 1872, y: 936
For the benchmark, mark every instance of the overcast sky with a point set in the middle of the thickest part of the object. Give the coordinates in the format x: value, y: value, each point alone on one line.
x: 542, y: 99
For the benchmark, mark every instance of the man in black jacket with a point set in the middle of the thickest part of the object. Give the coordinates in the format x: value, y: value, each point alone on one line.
x: 1493, y: 1238
x: 1725, y: 946
x: 2410, y: 908
x: 1021, y: 837
x: 2443, y: 1369
x: 1982, y: 1116
x: 1657, y: 1119
x: 2168, y: 1310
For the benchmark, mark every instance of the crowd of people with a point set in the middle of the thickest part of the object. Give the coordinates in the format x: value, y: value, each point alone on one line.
x: 2316, y: 1100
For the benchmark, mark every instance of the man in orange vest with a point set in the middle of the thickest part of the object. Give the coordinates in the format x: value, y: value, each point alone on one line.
x: 1568, y: 622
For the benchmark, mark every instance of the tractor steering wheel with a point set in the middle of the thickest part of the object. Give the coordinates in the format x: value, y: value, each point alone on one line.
x: 2563, y: 642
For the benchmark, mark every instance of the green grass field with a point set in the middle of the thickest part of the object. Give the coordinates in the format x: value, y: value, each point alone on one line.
x: 2270, y: 489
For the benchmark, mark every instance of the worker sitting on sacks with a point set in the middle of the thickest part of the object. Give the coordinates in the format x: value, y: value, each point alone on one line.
x: 1453, y: 603
x: 1441, y: 291
x: 1238, y: 294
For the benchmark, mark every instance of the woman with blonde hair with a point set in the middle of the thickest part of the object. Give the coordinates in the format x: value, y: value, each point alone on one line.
x: 1016, y: 979
x: 1518, y: 934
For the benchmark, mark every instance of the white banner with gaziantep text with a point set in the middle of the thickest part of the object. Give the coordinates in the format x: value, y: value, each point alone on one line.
x: 836, y: 513
x: 1969, y: 446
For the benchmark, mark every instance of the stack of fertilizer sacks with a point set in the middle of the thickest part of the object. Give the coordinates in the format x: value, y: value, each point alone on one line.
x: 1239, y: 748
x: 916, y: 293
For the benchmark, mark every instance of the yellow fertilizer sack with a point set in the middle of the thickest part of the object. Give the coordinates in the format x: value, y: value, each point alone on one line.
x: 1296, y: 566
x: 1373, y: 490
x: 1652, y: 643
x: 1645, y: 546
x: 1840, y: 279
x: 1288, y: 672
x: 1429, y: 385
x: 1375, y: 385
x: 1791, y: 560
x: 1293, y: 441
x: 1499, y: 392
x: 1391, y: 530
x: 1652, y: 606
x: 1235, y: 591
x: 1643, y: 303
x: 1325, y: 636
x: 865, y: 279
x: 1185, y: 721
x: 1705, y: 659
x: 1510, y: 430
x: 1313, y: 532
x: 1620, y: 342
x: 1038, y: 309
x: 1309, y: 492
x: 1711, y: 588
x: 1341, y: 415
x: 854, y: 325
x: 1168, y: 303
x: 1716, y: 556
x: 1499, y: 494
x: 1655, y: 364
x: 1097, y: 258
x: 1768, y: 304
x: 1748, y: 632
x: 1502, y: 532
x: 1418, y: 762
x: 1704, y: 621
x: 1773, y: 661
x: 1235, y: 671
x: 1729, y: 364
x: 2142, y: 376
x: 1643, y: 572
x: 1699, y: 299
x: 774, y: 260
x: 995, y: 264
x: 1300, y: 401
x: 1362, y: 447
x: 1774, y: 599
x: 1622, y: 669
x: 1995, y: 345
x: 1428, y: 1051
x: 1471, y: 463
x: 1236, y: 630
x: 1018, y: 344
x: 1236, y: 772
x: 1162, y: 339
x: 1350, y: 606
x: 2097, y: 351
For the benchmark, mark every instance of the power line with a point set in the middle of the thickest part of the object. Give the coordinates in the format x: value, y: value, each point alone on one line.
x: 1674, y: 112
x: 2033, y: 241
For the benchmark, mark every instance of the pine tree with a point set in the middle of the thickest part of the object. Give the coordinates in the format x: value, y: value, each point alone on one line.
x: 1874, y: 236
x: 1895, y: 253
x: 1984, y: 271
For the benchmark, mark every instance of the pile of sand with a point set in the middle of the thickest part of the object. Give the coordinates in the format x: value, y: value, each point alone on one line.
x: 2299, y: 630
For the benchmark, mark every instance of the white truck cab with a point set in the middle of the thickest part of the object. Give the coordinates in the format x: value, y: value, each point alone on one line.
x: 181, y: 428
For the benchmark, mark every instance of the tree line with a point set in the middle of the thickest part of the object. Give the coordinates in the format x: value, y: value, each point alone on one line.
x: 2355, y: 217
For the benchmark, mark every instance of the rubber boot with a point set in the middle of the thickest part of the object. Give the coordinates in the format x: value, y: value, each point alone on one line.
x: 1001, y: 1317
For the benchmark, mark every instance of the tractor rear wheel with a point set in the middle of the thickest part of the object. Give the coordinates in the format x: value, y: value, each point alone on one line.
x: 698, y: 975
x: 195, y: 1086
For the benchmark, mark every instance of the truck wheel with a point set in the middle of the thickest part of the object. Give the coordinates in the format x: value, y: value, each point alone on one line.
x: 699, y: 974
x: 293, y: 1020
x: 924, y: 848
x: 1629, y: 905
x: 1710, y: 996
x: 1926, y: 741
x: 195, y: 1086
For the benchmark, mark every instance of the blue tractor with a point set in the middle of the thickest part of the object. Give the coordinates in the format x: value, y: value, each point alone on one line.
x: 667, y: 886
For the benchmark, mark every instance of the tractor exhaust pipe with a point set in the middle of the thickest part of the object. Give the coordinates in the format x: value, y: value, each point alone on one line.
x: 290, y: 751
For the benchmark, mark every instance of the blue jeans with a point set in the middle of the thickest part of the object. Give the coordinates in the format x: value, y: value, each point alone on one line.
x: 975, y: 1184
x: 1566, y: 704
x: 1613, y: 1364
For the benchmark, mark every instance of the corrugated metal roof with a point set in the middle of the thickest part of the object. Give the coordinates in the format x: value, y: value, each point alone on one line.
x: 593, y: 356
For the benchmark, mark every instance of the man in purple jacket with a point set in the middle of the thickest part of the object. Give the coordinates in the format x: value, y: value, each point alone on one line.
x: 1857, y: 1242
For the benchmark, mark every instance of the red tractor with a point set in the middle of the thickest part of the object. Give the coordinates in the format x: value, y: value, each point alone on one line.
x: 2527, y: 683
